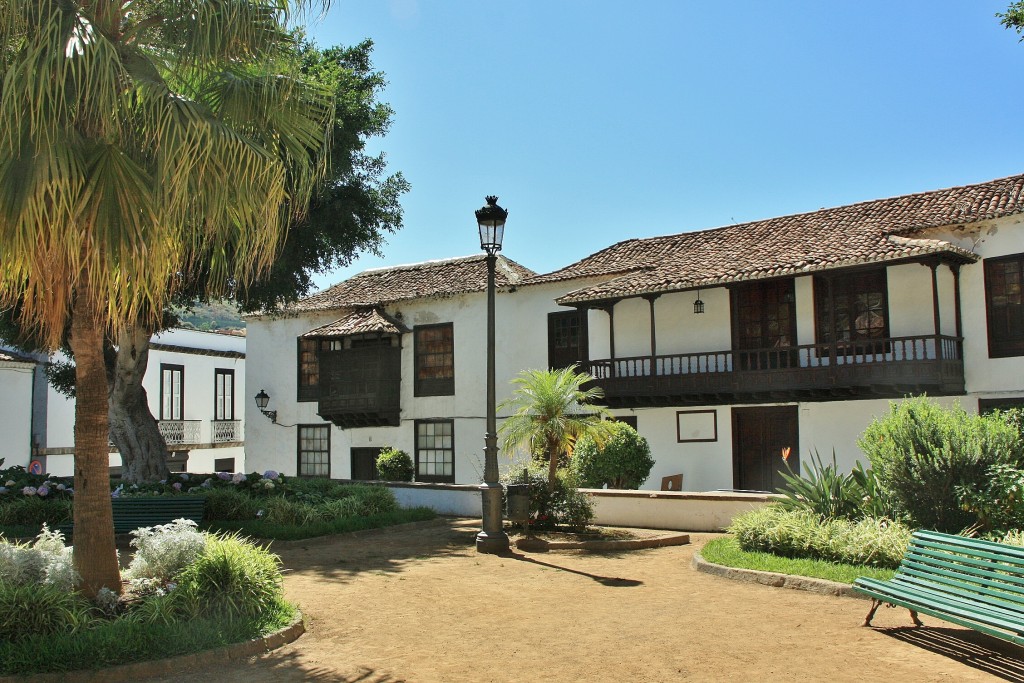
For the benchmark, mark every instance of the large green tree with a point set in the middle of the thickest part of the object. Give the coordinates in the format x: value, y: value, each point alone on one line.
x: 550, y: 411
x: 141, y: 137
x: 1014, y: 17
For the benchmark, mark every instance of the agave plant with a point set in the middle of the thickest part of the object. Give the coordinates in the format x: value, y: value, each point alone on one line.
x: 826, y: 491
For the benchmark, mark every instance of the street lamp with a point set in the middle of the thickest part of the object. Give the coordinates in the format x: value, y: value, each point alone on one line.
x: 262, y: 400
x: 492, y: 537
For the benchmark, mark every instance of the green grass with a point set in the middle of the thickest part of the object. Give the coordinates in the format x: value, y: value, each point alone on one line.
x: 726, y: 551
x: 258, y: 528
x: 123, y: 641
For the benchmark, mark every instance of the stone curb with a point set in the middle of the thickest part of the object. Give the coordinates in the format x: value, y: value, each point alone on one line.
x: 162, y: 667
x: 540, y: 545
x: 802, y: 583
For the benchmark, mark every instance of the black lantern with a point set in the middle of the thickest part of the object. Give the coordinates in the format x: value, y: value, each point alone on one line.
x: 262, y: 401
x: 698, y: 305
x: 491, y: 221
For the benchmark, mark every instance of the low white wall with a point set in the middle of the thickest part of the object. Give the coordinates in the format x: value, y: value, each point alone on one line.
x: 648, y: 509
x: 460, y: 500
x: 676, y: 510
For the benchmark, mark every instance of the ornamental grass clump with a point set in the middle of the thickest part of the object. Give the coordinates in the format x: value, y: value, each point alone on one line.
x: 872, y: 541
x: 232, y: 579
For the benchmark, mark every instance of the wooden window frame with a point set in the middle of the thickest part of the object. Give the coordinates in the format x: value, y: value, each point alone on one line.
x: 560, y: 317
x: 172, y: 367
x: 1000, y: 345
x: 824, y: 303
x: 229, y: 415
x: 299, y: 451
x: 306, y: 391
x: 714, y: 426
x: 433, y: 478
x: 432, y: 386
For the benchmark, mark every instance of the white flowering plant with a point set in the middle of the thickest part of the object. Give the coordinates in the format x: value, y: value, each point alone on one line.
x: 164, y: 550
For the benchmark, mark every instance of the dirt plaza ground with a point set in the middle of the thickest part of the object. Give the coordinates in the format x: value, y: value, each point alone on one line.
x: 418, y: 604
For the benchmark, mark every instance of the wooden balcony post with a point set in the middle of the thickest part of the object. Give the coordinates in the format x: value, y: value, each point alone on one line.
x: 654, y: 337
x: 956, y: 299
x: 609, y: 308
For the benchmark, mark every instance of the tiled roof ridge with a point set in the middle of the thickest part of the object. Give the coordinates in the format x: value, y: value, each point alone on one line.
x: 421, y: 265
x: 996, y: 183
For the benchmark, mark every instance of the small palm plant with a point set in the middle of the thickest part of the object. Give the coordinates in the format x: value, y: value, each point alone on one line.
x: 551, y: 410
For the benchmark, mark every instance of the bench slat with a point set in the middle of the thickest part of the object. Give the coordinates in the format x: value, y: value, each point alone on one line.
x: 948, y: 604
x: 976, y: 559
x: 1008, y: 581
x: 982, y: 587
x: 978, y: 601
x: 1001, y: 550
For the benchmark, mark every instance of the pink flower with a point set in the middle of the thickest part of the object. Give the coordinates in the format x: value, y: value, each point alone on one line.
x: 176, y: 486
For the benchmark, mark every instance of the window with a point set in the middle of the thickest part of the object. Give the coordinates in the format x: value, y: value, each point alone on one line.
x: 764, y: 325
x: 309, y: 370
x: 435, y: 450
x: 1004, y: 305
x: 852, y: 308
x: 223, y: 394
x: 172, y: 392
x: 224, y: 465
x: 314, y: 451
x: 435, y: 360
x: 567, y: 339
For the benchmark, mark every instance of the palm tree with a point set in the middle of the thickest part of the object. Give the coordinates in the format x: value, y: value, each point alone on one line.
x: 141, y: 139
x: 551, y: 410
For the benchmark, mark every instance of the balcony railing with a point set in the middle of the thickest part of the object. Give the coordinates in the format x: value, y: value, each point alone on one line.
x: 879, y: 367
x: 226, y: 430
x: 180, y: 432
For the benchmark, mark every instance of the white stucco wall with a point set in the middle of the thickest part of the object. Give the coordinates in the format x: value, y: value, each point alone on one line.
x: 16, y: 412
x: 198, y: 399
x: 521, y: 330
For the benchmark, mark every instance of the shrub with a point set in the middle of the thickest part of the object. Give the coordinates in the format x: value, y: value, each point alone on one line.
x: 623, y: 462
x: 163, y: 551
x: 922, y: 452
x: 232, y: 579
x: 997, y: 501
x: 870, y: 541
x: 47, y: 561
x: 230, y: 503
x: 565, y: 506
x: 394, y: 465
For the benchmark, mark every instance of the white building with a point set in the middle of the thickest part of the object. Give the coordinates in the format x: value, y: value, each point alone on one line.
x: 17, y: 373
x: 809, y: 325
x: 195, y: 382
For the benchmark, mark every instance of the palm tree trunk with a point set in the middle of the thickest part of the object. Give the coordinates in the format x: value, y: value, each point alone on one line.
x: 95, y: 553
x: 133, y: 428
x: 553, y: 456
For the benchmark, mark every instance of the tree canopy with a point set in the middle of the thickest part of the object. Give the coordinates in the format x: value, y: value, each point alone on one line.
x: 140, y: 138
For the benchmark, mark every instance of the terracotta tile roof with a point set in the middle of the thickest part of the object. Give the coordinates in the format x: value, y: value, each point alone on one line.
x: 359, y: 322
x: 419, y: 280
x: 868, y: 232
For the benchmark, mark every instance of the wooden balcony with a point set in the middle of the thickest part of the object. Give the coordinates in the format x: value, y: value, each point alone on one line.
x: 879, y: 368
x: 361, y: 387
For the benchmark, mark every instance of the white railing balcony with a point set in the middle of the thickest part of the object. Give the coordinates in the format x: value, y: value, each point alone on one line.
x: 226, y: 430
x: 179, y: 432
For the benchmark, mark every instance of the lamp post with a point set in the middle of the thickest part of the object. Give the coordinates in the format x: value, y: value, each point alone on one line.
x: 492, y: 538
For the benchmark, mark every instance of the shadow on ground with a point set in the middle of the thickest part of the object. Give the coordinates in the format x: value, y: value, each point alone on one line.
x: 611, y: 581
x: 970, y: 648
x: 388, y: 550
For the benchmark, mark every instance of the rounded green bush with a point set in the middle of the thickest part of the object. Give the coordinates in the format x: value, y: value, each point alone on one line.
x: 623, y: 462
x: 394, y: 465
x: 922, y: 453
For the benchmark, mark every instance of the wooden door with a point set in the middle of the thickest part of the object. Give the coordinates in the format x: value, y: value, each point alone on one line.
x: 760, y: 439
x: 764, y: 324
x: 364, y: 464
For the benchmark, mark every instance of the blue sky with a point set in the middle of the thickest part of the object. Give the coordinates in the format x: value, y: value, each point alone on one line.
x: 598, y: 121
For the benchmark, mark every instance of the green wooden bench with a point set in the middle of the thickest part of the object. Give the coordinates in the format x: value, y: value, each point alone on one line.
x: 965, y: 581
x: 131, y: 513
